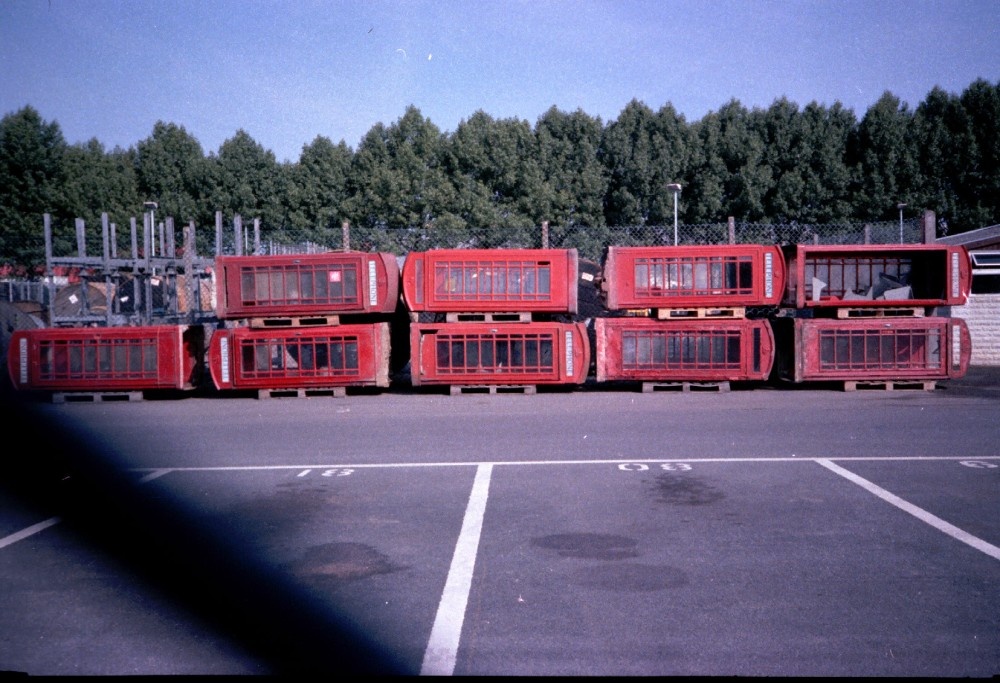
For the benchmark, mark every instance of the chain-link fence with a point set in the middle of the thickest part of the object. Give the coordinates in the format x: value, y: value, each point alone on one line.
x: 75, y: 253
x: 252, y: 237
x: 590, y: 242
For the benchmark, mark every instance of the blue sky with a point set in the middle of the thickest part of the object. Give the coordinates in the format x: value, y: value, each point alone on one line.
x: 288, y: 71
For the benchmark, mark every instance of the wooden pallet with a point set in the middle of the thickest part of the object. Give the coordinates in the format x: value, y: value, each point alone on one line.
x: 892, y: 312
x: 311, y: 392
x: 650, y: 387
x: 702, y: 312
x: 96, y: 396
x: 458, y: 389
x: 295, y: 321
x: 890, y: 385
x: 473, y: 317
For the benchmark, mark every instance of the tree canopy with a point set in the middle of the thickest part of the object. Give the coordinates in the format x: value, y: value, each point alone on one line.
x: 780, y: 164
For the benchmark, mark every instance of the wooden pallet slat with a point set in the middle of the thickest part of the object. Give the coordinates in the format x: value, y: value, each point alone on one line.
x: 311, y: 392
x: 686, y: 387
x: 484, y: 317
x: 96, y: 396
x: 295, y: 321
x: 892, y: 312
x: 702, y: 312
x: 459, y: 389
x: 890, y: 385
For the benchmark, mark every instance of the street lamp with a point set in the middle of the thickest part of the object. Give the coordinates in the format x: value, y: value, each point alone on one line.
x: 901, y: 206
x: 676, y: 189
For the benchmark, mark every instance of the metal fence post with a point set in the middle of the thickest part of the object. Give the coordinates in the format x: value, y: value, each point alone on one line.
x: 50, y: 276
x: 171, y: 250
x: 218, y: 233
x: 345, y: 229
x: 238, y: 234
x: 930, y: 227
x: 192, y: 286
x: 81, y: 238
x: 545, y: 234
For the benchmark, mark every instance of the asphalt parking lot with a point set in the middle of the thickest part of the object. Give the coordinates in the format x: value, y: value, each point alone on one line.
x: 755, y: 533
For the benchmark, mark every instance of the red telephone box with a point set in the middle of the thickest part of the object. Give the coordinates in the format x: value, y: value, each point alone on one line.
x: 95, y: 359
x: 693, y: 276
x: 491, y: 280
x: 306, y: 284
x: 877, y: 275
x: 649, y: 350
x: 303, y: 357
x: 500, y: 354
x: 879, y: 349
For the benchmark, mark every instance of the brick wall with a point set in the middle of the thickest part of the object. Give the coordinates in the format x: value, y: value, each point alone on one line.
x: 982, y: 315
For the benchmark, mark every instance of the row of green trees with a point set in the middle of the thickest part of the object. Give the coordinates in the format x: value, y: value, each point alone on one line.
x: 817, y: 164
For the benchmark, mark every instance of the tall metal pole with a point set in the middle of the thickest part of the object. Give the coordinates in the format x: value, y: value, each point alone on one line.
x: 676, y: 189
x: 901, y: 206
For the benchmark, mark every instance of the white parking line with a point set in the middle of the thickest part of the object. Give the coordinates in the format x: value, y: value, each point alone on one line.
x: 525, y: 463
x: 30, y: 531
x: 921, y: 514
x: 155, y: 474
x: 442, y: 648
x: 52, y: 521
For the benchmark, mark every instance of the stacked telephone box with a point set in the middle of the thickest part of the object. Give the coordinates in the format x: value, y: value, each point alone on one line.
x: 303, y: 324
x: 684, y: 319
x: 864, y: 315
x: 105, y: 363
x: 496, y: 317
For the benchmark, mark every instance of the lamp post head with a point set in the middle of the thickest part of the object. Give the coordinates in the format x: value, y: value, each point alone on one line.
x: 674, y: 187
x: 150, y: 206
x: 901, y: 206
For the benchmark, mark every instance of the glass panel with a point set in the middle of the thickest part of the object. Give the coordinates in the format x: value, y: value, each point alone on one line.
x: 517, y: 353
x: 352, y: 354
x: 247, y: 285
x: 277, y: 291
x: 628, y: 349
x: 307, y: 283
x: 150, y: 360
x: 75, y: 359
x: 546, y: 359
x: 641, y: 275
x: 531, y: 353
x: 120, y: 358
x: 701, y: 276
x: 687, y: 276
x: 529, y: 279
x: 336, y: 284
x: 659, y: 350
x: 644, y: 351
